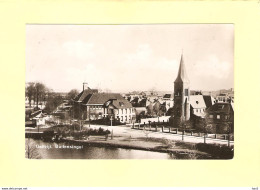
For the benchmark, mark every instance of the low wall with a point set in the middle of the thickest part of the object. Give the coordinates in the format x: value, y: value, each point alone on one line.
x: 155, y: 119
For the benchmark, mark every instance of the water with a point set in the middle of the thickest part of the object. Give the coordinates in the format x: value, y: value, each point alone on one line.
x: 49, y: 150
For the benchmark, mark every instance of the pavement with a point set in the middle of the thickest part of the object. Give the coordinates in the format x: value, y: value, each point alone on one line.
x: 127, y: 131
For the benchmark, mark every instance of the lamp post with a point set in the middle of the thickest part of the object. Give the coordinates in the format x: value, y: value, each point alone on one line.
x: 228, y: 136
x: 183, y: 131
x: 89, y: 116
x: 204, y: 133
x: 111, y: 119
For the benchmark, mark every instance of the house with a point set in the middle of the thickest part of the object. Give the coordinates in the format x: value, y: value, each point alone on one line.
x: 91, y: 105
x: 120, y: 110
x: 36, y: 118
x: 221, y: 116
x: 39, y: 119
x: 197, y: 105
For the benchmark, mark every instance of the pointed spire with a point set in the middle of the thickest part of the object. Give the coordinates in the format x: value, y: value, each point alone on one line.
x: 182, y: 75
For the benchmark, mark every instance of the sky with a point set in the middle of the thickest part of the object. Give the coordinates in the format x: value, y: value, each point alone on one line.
x: 124, y: 58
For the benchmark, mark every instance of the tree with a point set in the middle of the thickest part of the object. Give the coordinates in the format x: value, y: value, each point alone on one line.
x: 30, y: 91
x: 169, y: 112
x: 52, y: 103
x: 36, y: 91
x: 150, y: 109
x: 204, y: 125
x: 162, y: 110
x: 156, y: 108
x: 72, y: 94
x: 40, y: 90
x: 30, y: 150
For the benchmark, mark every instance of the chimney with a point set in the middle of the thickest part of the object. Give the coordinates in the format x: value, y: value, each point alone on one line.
x: 85, y: 85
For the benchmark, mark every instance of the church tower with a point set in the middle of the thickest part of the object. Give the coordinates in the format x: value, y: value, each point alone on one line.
x: 182, y: 94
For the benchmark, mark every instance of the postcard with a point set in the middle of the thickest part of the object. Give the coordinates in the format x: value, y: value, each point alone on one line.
x: 142, y: 91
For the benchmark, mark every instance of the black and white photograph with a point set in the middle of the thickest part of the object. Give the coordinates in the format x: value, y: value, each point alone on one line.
x: 129, y: 91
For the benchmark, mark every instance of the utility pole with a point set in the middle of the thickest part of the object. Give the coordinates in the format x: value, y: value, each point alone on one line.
x: 89, y: 116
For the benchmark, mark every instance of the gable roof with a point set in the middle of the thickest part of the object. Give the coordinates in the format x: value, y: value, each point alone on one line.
x: 81, y: 96
x: 197, y: 102
x: 101, y: 98
x: 222, y: 107
x: 121, y: 104
x: 208, y: 100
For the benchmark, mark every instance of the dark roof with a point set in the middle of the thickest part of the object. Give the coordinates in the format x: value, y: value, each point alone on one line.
x: 167, y: 96
x: 221, y: 108
x: 101, y: 98
x: 135, y: 100
x: 81, y: 96
x: 122, y: 103
x: 208, y: 101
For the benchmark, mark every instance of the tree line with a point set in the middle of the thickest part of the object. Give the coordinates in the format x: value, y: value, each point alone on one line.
x: 39, y: 93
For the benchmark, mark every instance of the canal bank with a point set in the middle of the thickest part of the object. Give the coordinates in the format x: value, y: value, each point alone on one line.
x: 126, y: 138
x: 144, y: 144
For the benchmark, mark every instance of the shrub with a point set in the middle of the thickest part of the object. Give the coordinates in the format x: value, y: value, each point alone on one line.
x: 218, y: 151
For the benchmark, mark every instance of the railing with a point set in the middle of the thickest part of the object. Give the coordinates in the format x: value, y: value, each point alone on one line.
x: 227, y: 139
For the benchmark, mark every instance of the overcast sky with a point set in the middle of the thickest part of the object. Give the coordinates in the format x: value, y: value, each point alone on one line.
x: 124, y: 58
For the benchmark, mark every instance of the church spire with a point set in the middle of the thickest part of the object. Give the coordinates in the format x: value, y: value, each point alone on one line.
x: 182, y: 75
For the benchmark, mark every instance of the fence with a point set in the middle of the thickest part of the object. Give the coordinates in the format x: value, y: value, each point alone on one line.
x: 226, y: 139
x: 155, y: 119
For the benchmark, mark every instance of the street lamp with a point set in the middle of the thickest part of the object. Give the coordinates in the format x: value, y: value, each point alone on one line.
x: 183, y: 131
x: 204, y: 129
x: 111, y: 119
x: 89, y: 116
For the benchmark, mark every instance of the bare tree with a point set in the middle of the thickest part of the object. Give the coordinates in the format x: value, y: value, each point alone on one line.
x: 30, y: 150
x: 40, y: 90
x: 30, y: 91
x: 36, y: 91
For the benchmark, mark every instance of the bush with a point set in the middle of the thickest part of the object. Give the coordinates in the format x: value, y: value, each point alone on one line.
x: 218, y: 151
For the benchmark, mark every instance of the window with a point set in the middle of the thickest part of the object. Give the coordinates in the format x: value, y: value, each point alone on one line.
x: 186, y: 92
x: 211, y: 116
x: 218, y: 116
x: 122, y: 118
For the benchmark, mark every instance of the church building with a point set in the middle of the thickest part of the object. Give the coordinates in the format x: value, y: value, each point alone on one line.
x: 181, y: 108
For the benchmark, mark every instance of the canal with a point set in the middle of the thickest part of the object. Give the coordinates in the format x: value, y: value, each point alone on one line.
x: 65, y: 150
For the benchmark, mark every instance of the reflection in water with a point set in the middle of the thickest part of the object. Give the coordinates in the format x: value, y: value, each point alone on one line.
x: 47, y: 150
